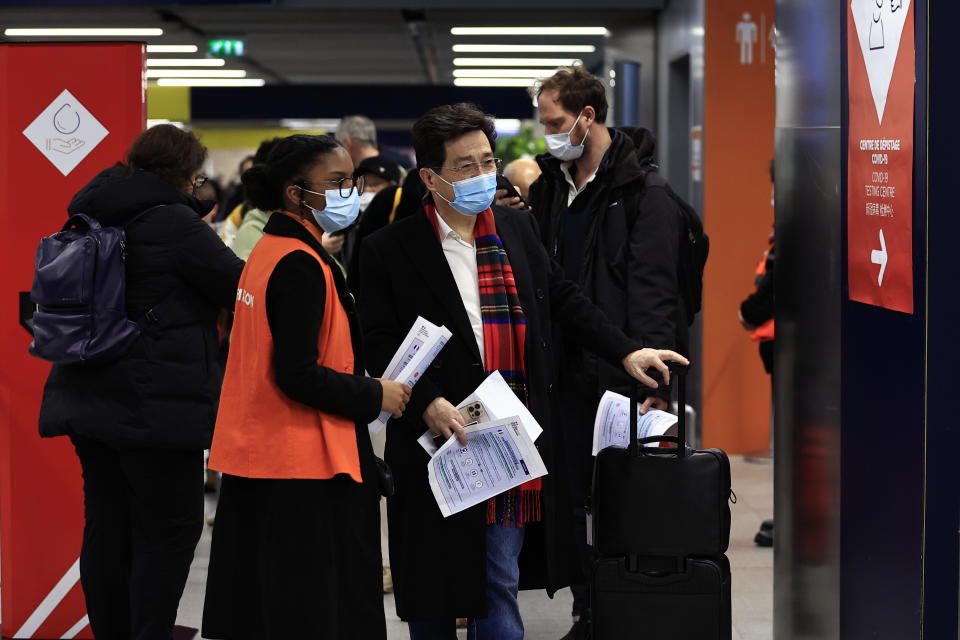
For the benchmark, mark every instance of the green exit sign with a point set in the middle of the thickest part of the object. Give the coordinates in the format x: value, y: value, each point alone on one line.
x: 226, y: 47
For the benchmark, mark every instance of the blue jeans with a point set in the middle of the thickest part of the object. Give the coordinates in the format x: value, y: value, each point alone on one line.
x: 503, y: 578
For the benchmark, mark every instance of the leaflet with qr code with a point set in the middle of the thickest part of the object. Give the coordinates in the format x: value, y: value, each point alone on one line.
x: 498, y: 456
x: 492, y: 399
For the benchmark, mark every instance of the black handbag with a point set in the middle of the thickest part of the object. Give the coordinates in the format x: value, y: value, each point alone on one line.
x: 654, y: 501
x: 386, y: 483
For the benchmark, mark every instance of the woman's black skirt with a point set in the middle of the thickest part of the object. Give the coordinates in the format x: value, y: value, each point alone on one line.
x: 295, y: 559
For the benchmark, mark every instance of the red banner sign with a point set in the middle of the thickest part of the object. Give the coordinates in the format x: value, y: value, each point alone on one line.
x: 881, y: 75
x: 67, y: 111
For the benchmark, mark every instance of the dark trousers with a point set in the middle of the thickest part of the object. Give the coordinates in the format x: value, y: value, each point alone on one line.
x: 577, y: 415
x: 143, y: 514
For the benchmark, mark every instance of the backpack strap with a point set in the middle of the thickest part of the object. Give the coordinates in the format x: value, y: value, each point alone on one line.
x: 81, y: 221
x: 157, y: 313
x: 650, y: 177
x: 85, y: 222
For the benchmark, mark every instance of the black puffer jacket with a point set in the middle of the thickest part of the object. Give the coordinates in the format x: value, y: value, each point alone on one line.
x: 164, y: 391
x: 630, y: 254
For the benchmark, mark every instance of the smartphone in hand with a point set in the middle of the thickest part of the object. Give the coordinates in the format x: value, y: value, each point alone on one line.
x: 503, y: 183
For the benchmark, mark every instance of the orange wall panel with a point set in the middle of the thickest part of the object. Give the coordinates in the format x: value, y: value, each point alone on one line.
x: 739, y: 120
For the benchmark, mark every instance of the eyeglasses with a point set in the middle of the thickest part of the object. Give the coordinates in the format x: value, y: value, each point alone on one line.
x: 199, y: 181
x: 344, y: 185
x: 476, y: 168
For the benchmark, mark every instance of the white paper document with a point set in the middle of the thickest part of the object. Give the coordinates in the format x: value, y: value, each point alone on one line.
x: 612, y: 425
x: 493, y: 399
x: 417, y: 351
x: 498, y: 456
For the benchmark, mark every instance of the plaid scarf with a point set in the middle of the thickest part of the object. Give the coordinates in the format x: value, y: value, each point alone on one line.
x: 504, y: 334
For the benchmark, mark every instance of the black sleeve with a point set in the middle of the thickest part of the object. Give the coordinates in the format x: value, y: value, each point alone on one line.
x: 577, y: 315
x: 653, y: 289
x: 759, y: 306
x: 201, y: 259
x: 296, y: 295
x: 534, y: 198
x: 382, y: 329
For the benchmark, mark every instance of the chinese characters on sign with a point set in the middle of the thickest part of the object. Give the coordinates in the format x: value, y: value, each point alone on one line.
x: 881, y: 68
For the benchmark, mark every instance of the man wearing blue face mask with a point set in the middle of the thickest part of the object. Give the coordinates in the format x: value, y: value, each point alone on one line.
x: 479, y: 270
x: 616, y: 233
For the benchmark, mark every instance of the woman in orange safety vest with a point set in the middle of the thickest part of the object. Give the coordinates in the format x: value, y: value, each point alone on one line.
x: 296, y: 545
x: 756, y: 312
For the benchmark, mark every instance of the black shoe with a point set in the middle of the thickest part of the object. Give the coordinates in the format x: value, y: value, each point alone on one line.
x: 764, y: 538
x: 767, y: 525
x: 578, y: 631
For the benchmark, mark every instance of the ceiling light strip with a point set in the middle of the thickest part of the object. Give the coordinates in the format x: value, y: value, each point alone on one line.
x: 493, y: 82
x: 210, y: 82
x: 524, y: 48
x: 75, y: 32
x: 529, y: 31
x: 502, y: 73
x: 185, y: 62
x: 196, y: 73
x: 172, y: 48
x: 516, y: 62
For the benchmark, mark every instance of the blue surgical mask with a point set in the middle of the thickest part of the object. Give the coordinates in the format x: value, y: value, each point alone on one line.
x: 472, y: 195
x: 559, y: 146
x: 339, y: 213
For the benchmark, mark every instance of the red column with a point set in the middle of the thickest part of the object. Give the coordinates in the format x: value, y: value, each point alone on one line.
x: 67, y: 111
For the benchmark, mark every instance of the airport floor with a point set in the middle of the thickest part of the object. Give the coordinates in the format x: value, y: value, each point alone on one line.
x: 546, y: 619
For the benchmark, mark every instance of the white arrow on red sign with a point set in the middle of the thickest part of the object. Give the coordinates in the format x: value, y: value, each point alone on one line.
x: 880, y: 258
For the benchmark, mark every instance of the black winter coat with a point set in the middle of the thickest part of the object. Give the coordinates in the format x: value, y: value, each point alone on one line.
x: 630, y: 255
x: 164, y: 391
x: 439, y: 563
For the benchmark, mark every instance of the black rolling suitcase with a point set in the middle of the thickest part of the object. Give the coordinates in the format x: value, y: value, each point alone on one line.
x: 661, y: 501
x: 660, y: 525
x: 690, y: 602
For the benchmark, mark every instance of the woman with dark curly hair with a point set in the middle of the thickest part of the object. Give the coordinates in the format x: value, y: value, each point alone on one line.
x: 140, y: 424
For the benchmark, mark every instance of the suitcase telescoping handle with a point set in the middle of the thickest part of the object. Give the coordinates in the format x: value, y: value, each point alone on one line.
x: 678, y: 374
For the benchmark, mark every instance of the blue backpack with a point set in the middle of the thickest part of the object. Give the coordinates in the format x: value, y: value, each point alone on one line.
x: 79, y: 287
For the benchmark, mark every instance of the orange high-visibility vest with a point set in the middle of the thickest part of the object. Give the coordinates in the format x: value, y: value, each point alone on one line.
x: 765, y: 332
x: 260, y: 432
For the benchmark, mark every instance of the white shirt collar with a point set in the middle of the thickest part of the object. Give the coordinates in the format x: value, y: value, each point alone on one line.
x: 446, y: 231
x: 574, y: 191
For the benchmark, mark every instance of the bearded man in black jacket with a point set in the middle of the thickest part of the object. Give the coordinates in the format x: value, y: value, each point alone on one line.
x: 617, y: 237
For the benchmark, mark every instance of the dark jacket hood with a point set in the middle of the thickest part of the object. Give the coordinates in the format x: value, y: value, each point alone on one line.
x: 631, y: 153
x: 644, y: 142
x: 117, y: 194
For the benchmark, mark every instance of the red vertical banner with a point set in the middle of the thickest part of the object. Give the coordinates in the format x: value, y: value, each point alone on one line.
x: 881, y: 76
x: 67, y: 111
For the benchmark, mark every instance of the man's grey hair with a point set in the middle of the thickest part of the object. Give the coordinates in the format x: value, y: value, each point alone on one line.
x: 360, y: 129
